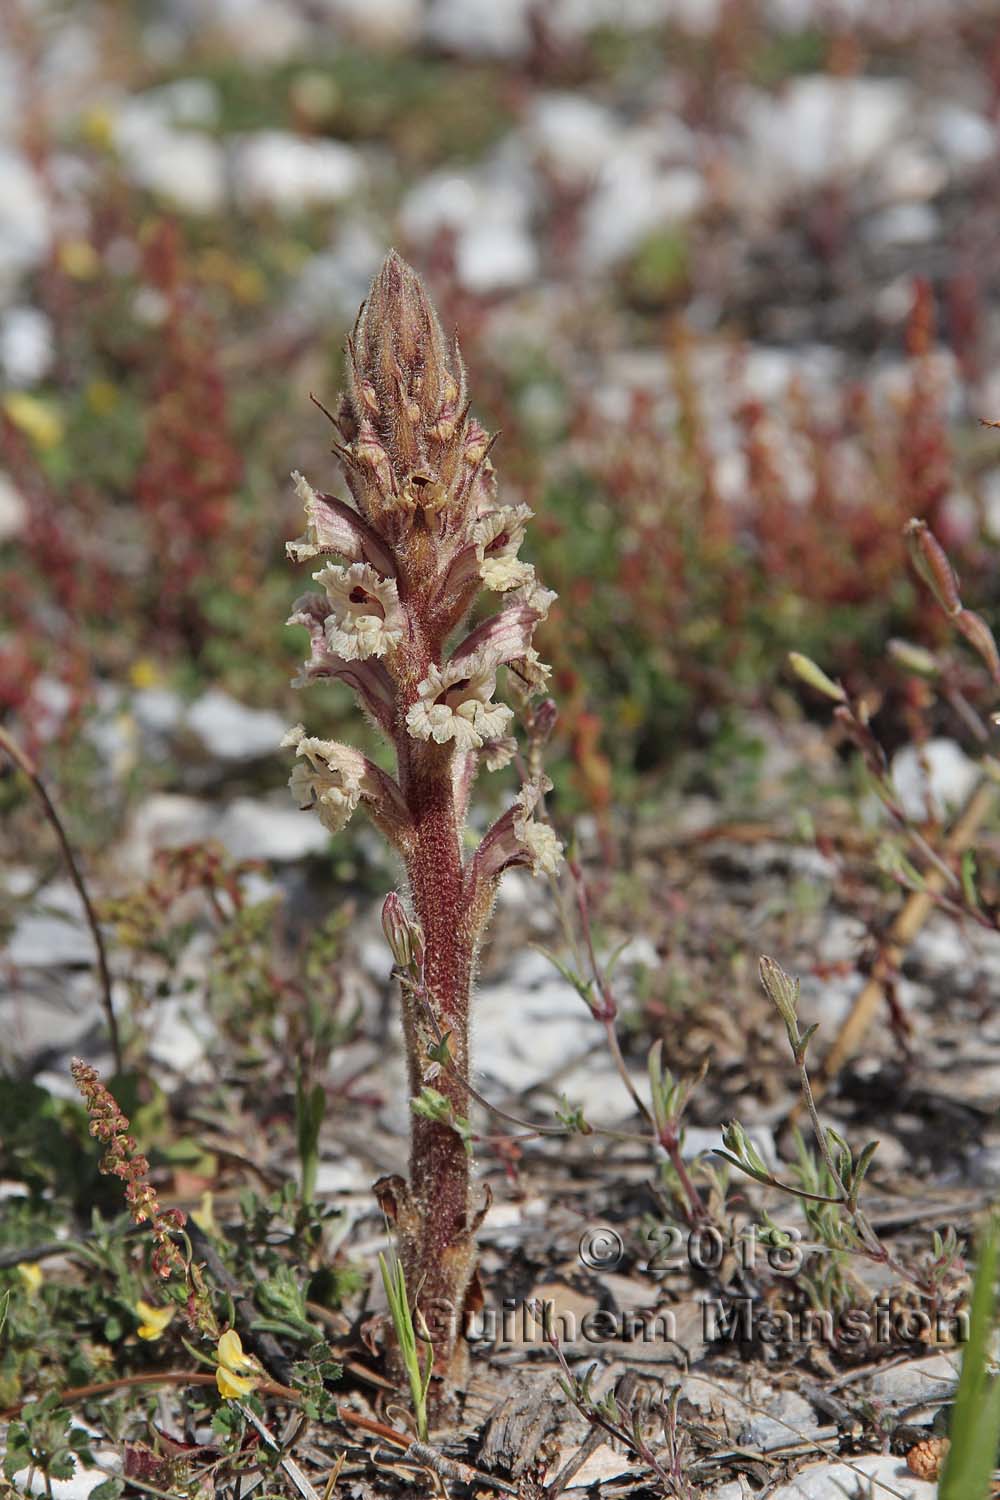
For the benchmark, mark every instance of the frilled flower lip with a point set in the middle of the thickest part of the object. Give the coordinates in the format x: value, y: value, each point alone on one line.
x: 328, y: 778
x: 333, y: 526
x: 454, y: 703
x: 366, y: 618
x: 539, y: 842
x: 497, y: 536
x: 517, y: 838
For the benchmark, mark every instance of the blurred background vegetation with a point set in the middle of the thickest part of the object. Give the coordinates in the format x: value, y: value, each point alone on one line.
x: 726, y: 276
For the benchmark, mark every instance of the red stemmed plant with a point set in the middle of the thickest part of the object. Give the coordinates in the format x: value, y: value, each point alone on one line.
x: 422, y: 537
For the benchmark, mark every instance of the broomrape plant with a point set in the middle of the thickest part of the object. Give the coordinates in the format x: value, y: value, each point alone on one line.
x: 424, y: 537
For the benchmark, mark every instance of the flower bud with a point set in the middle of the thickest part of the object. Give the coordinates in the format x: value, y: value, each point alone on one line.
x: 404, y: 936
x: 931, y: 562
x: 914, y: 658
x: 781, y: 988
x: 544, y: 720
x: 980, y: 637
x: 808, y: 672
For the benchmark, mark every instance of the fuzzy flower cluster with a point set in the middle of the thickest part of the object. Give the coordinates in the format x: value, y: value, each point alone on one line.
x: 422, y: 537
x: 123, y: 1159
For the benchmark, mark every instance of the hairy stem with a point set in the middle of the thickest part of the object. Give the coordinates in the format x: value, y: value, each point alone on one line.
x: 436, y: 1245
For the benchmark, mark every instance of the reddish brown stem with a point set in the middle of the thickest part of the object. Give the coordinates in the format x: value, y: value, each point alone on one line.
x: 434, y: 1221
x: 27, y: 765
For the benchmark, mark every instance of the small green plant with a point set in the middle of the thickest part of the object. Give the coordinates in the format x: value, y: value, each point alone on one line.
x: 394, y: 1281
x: 975, y: 1420
x: 310, y: 1107
x: 45, y: 1443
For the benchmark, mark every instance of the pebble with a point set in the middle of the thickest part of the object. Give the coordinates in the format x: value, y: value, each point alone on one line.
x: 789, y: 1416
x: 820, y: 126
x: 54, y: 933
x: 633, y: 198
x: 284, y: 172
x: 26, y: 345
x: 880, y: 1472
x: 901, y: 224
x: 495, y: 258
x: 251, y: 828
x: 24, y: 216
x: 573, y: 136
x: 84, y: 1481
x: 480, y: 28
x: 966, y: 139
x: 929, y: 1379
x: 184, y: 167
x: 933, y: 779
x: 231, y: 731
x: 13, y: 508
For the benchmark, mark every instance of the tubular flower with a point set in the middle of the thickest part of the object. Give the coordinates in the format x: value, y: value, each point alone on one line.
x: 366, y: 619
x: 332, y: 526
x: 154, y: 1320
x: 237, y: 1374
x: 329, y: 777
x: 544, y: 851
x: 497, y: 538
x: 517, y: 839
x: 454, y: 704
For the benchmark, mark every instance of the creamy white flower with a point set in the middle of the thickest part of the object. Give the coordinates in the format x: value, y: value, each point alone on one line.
x: 499, y: 753
x: 455, y: 704
x: 538, y: 841
x: 329, y: 777
x: 366, y: 618
x: 497, y: 537
x: 528, y: 675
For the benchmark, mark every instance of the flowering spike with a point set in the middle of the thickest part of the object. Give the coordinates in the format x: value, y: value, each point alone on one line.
x: 424, y: 537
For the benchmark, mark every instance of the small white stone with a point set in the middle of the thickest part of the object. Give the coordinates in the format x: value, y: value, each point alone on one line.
x: 573, y: 135
x: 382, y: 22
x: 24, y: 216
x: 13, y: 508
x: 966, y: 139
x: 480, y: 28
x: 825, y: 1480
x: 184, y: 167
x: 281, y: 171
x: 164, y: 821
x: 56, y: 932
x: 442, y: 200
x: 909, y: 172
x: 936, y: 778
x: 253, y: 829
x: 634, y: 197
x: 26, y: 345
x: 819, y: 126
x: 231, y: 731
x: 157, y: 710
x: 83, y: 1482
x: 901, y: 224
x: 495, y: 258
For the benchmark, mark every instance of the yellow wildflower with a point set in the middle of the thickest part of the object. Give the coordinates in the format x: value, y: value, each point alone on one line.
x: 39, y: 420
x: 31, y: 1276
x: 79, y: 259
x: 144, y: 673
x: 204, y: 1217
x: 237, y: 1374
x: 102, y: 397
x: 154, y: 1320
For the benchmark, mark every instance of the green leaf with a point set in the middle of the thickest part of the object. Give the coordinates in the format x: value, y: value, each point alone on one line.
x: 975, y: 1420
x: 109, y: 1490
